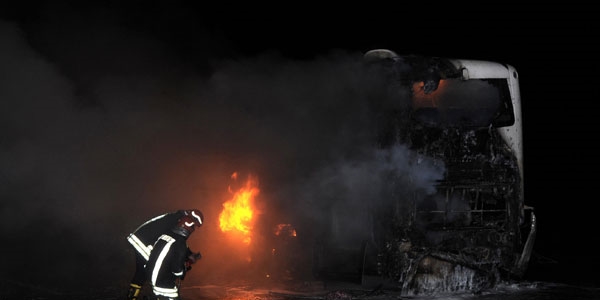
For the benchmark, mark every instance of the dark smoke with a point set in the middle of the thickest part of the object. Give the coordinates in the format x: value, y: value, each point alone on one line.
x: 104, y: 128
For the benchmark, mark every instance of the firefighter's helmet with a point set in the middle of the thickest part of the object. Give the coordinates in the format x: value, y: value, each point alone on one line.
x: 197, y: 215
x: 186, y: 225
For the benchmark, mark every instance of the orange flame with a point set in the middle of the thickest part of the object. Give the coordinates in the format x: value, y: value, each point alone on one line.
x: 238, y: 212
x: 420, y: 99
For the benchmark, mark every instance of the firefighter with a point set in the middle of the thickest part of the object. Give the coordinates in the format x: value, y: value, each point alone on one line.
x: 144, y: 237
x: 169, y: 260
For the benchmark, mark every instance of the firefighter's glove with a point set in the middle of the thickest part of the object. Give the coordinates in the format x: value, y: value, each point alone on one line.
x: 194, y: 257
x: 188, y: 265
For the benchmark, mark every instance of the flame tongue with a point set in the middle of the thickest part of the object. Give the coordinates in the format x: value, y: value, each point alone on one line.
x: 238, y: 212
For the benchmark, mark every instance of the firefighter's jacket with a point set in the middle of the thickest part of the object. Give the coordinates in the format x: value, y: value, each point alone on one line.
x: 144, y: 237
x: 167, y: 263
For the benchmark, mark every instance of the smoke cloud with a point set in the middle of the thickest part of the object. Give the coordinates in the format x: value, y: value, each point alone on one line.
x: 104, y: 128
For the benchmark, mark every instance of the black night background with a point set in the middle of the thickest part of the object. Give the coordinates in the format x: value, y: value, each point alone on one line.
x: 112, y: 112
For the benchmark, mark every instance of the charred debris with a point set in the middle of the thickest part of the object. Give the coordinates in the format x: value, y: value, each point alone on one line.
x: 475, y: 230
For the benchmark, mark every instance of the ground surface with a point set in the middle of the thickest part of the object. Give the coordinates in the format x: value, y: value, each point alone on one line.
x: 230, y: 291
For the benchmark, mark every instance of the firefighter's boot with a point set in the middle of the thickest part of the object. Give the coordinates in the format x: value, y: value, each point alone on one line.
x: 134, y: 291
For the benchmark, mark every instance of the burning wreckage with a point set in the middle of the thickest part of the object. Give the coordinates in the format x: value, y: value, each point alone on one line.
x: 475, y: 229
x: 467, y: 231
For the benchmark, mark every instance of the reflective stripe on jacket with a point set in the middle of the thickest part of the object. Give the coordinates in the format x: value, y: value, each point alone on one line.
x: 166, y: 263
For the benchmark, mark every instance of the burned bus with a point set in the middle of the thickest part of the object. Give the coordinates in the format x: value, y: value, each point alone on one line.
x: 475, y: 229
